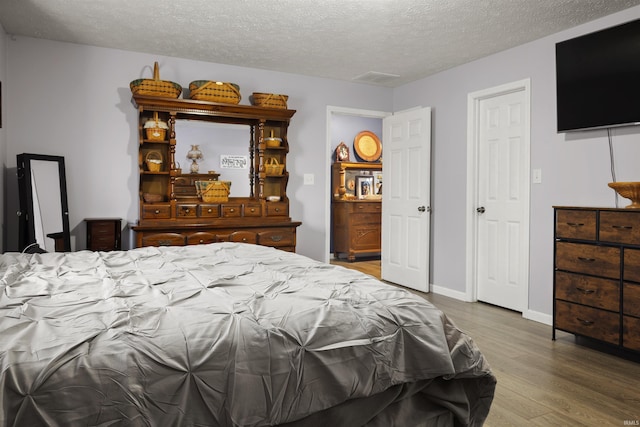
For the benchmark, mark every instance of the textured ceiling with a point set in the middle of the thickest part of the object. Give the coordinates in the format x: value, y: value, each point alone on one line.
x: 385, y: 42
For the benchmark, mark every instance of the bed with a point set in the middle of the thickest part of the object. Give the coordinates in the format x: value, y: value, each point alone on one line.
x: 226, y: 334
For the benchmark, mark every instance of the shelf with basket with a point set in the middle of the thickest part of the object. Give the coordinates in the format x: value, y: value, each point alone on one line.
x: 182, y: 208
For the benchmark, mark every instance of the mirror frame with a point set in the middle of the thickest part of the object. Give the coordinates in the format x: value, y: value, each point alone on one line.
x: 26, y: 232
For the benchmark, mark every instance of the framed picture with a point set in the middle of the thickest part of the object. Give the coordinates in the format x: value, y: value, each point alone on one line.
x: 342, y: 152
x: 364, y: 186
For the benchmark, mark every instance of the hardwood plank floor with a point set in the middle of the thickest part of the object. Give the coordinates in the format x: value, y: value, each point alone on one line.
x: 541, y: 382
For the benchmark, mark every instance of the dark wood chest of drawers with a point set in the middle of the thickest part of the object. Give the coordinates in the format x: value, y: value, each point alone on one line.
x: 597, y: 275
x: 103, y: 234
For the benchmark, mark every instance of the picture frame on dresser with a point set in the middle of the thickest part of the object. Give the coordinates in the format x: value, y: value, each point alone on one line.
x: 364, y: 186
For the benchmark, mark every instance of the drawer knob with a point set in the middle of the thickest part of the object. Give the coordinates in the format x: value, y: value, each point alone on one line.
x: 585, y: 291
x: 276, y: 238
x: 253, y: 210
x: 622, y: 227
x: 157, y: 211
x: 583, y: 259
x: 209, y: 210
x: 575, y: 224
x: 244, y: 239
x: 201, y: 241
x: 232, y: 210
x: 186, y: 211
x: 277, y: 209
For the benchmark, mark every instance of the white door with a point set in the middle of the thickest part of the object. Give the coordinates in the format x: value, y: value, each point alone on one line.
x: 503, y: 200
x: 406, y: 153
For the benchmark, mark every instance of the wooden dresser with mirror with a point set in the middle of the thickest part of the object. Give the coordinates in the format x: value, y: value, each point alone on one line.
x: 356, y: 209
x: 171, y: 210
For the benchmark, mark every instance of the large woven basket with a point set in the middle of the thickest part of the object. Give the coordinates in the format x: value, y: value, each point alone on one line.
x: 214, y: 191
x: 155, y: 86
x: 207, y: 90
x: 269, y: 100
x: 273, y: 166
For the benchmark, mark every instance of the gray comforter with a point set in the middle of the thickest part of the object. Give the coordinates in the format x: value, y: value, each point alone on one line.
x: 225, y: 335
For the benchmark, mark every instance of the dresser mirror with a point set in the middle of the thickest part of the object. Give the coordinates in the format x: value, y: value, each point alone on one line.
x: 44, y: 212
x: 214, y: 140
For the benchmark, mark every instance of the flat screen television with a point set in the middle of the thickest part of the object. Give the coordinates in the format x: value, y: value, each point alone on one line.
x: 598, y: 79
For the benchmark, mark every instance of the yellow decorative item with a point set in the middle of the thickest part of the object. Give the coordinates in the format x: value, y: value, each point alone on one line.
x: 269, y: 100
x: 273, y: 142
x: 153, y: 159
x: 273, y: 166
x: 628, y: 190
x: 207, y: 90
x: 214, y: 191
x: 155, y: 128
x: 155, y: 86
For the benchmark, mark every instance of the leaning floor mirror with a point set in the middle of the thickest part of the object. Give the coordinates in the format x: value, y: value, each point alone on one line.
x: 44, y: 213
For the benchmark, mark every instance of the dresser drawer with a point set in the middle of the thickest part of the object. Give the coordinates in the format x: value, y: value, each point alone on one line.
x: 252, y: 209
x: 588, y: 259
x: 631, y: 299
x: 366, y: 238
x: 186, y: 211
x: 231, y: 211
x: 201, y: 238
x: 243, y: 236
x: 620, y: 227
x: 209, y: 211
x: 366, y: 207
x: 588, y: 321
x: 163, y: 239
x: 276, y: 237
x: 586, y: 290
x: 632, y: 265
x: 366, y: 218
x: 156, y: 211
x: 631, y: 333
x: 277, y: 209
x: 576, y: 224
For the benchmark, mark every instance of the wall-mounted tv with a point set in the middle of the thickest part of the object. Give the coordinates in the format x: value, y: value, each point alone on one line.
x: 598, y: 79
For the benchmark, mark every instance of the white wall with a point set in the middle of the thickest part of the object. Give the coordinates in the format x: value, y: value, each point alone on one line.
x: 575, y: 167
x: 75, y: 101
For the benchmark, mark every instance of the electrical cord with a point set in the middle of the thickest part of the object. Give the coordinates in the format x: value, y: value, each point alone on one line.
x: 613, y: 163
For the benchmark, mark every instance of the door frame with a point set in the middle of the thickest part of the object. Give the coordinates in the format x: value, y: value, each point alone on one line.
x: 345, y: 111
x: 473, y: 131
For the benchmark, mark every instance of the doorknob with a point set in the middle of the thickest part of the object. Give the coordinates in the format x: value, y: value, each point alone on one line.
x: 480, y: 210
x: 421, y: 209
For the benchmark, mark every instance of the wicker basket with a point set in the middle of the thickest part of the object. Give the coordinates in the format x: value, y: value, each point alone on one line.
x: 269, y: 100
x: 207, y: 90
x: 155, y: 86
x: 273, y: 166
x: 153, y: 159
x: 214, y: 191
x: 155, y: 128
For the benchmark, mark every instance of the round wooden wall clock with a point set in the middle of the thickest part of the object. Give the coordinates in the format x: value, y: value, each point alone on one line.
x: 368, y: 146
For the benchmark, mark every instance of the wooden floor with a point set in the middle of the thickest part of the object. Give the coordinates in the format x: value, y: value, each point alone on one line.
x: 541, y: 382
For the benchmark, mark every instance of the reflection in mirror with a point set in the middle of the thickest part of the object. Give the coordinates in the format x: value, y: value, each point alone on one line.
x: 43, y: 215
x: 214, y: 140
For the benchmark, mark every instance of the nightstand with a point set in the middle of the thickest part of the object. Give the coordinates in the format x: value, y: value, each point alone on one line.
x: 103, y: 234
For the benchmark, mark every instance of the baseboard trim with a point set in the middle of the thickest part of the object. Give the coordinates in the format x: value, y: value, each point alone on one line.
x: 440, y: 290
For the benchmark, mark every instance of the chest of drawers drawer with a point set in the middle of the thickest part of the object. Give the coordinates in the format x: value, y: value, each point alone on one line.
x: 576, y: 224
x: 599, y: 324
x: 619, y: 227
x: 596, y: 260
x: 586, y: 290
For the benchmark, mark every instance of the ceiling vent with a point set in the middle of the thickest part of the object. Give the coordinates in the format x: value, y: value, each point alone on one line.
x: 375, y: 77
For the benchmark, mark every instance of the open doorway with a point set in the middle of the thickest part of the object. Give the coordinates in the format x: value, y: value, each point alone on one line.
x: 341, y: 124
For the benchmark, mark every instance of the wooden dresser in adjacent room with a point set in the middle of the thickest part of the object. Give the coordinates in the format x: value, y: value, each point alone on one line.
x: 356, y: 216
x: 597, y: 274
